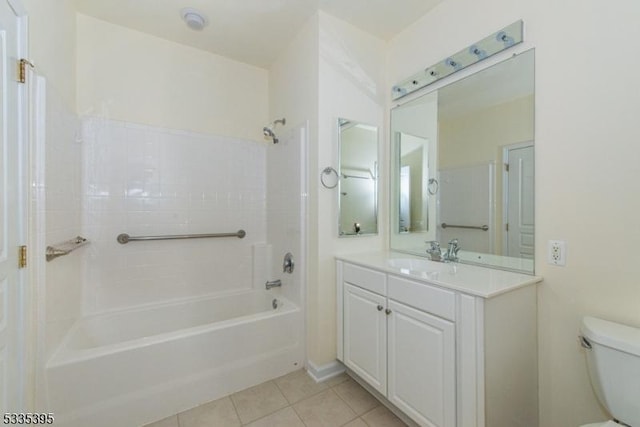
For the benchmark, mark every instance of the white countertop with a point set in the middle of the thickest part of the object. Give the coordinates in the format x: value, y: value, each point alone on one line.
x: 470, y: 279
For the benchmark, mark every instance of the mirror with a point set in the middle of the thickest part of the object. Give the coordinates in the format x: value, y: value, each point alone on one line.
x: 358, y: 172
x: 476, y: 137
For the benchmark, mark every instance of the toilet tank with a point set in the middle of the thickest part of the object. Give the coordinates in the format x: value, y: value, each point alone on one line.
x: 613, y: 360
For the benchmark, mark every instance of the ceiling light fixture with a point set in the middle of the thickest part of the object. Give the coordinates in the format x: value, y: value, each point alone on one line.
x: 194, y: 18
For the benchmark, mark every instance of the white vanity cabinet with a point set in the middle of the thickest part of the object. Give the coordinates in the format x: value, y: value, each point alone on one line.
x: 443, y: 357
x: 365, y: 335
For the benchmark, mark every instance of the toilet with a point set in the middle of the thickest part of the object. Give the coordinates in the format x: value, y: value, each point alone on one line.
x: 613, y: 361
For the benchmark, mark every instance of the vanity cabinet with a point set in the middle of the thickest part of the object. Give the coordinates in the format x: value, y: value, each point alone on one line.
x: 406, y: 354
x: 365, y: 335
x: 421, y: 365
x: 443, y: 357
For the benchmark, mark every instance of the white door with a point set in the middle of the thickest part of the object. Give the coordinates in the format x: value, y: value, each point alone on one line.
x: 421, y: 371
x: 519, y: 202
x: 365, y: 335
x: 10, y: 211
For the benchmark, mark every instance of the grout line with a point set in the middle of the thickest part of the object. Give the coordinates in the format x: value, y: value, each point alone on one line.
x: 234, y: 408
x: 299, y: 416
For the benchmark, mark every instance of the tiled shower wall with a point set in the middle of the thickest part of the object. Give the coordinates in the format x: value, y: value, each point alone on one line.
x: 144, y: 180
x: 286, y: 208
x: 57, y: 207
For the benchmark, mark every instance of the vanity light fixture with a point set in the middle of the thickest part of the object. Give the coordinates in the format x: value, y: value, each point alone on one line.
x: 499, y: 41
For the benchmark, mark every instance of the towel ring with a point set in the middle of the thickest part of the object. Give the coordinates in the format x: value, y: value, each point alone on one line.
x: 433, y: 186
x: 328, y: 171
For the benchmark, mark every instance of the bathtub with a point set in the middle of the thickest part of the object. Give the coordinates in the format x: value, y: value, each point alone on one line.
x: 133, y: 367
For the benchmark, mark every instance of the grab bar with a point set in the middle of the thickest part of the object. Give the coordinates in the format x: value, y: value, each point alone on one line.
x: 64, y: 248
x: 470, y: 227
x: 125, y: 238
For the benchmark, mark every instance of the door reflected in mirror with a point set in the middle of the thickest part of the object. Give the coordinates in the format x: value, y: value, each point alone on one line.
x: 358, y: 185
x: 414, y: 182
x: 481, y: 167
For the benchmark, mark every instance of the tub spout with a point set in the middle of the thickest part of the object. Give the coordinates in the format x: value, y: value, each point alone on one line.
x: 273, y: 284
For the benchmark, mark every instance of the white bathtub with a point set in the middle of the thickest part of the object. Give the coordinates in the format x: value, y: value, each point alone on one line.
x: 133, y: 367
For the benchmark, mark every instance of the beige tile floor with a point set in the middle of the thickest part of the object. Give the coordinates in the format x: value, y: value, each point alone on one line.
x: 293, y: 400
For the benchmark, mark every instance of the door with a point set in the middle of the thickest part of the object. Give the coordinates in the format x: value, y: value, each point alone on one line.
x: 10, y: 212
x: 422, y: 365
x: 519, y: 202
x: 365, y: 335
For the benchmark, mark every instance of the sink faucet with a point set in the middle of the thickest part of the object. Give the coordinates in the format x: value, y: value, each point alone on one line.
x: 452, y: 251
x: 434, y: 251
x: 450, y: 255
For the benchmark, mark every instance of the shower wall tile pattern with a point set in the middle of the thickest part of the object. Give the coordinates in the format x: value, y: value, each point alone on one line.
x: 286, y: 208
x: 144, y: 180
x: 57, y: 205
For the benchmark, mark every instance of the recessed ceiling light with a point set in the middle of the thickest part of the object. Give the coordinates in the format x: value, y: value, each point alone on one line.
x: 194, y: 18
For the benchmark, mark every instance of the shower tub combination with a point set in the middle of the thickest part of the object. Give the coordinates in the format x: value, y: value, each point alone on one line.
x: 132, y: 367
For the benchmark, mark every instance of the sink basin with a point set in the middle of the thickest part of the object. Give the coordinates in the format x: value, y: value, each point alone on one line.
x: 413, y: 264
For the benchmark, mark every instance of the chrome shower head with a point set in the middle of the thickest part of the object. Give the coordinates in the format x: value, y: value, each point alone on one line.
x: 268, y: 132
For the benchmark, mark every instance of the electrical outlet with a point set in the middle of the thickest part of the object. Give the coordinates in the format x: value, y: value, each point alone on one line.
x: 557, y: 252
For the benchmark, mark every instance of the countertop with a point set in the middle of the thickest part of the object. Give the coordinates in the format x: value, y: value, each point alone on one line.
x: 470, y: 279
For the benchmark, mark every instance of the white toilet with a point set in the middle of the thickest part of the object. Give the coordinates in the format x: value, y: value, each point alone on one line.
x: 613, y: 360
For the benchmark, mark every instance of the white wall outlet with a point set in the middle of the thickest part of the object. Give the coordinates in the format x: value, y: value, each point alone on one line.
x: 557, y: 252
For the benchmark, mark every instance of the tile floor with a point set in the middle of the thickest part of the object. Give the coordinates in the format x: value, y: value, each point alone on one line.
x: 293, y: 400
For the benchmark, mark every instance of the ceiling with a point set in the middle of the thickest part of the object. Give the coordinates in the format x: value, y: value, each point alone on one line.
x: 253, y: 31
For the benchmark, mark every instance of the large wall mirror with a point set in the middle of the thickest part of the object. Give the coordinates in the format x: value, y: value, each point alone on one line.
x: 358, y: 173
x: 463, y: 167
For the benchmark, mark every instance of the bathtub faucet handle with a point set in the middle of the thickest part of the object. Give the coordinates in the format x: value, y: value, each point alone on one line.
x: 287, y: 264
x: 273, y: 284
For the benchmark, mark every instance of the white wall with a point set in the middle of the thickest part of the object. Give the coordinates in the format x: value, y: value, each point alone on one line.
x: 293, y: 93
x: 52, y: 45
x: 145, y: 180
x: 351, y: 86
x: 131, y: 76
x: 586, y: 137
x: 330, y: 70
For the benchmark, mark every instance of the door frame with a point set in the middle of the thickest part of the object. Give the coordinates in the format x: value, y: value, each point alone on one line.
x: 505, y: 189
x: 24, y: 389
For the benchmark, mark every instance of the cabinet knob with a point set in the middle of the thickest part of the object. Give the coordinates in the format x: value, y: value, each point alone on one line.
x: 380, y: 308
x: 388, y: 311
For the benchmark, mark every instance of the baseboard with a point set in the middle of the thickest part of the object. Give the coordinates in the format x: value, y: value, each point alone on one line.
x: 324, y: 372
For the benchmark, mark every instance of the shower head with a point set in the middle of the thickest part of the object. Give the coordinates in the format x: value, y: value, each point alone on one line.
x: 268, y: 132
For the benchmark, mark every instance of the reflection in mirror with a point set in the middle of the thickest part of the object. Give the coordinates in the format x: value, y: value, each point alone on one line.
x: 358, y: 170
x: 414, y: 177
x: 483, y: 129
x: 413, y: 166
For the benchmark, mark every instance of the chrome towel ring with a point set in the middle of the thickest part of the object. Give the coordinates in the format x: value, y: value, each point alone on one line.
x: 328, y: 171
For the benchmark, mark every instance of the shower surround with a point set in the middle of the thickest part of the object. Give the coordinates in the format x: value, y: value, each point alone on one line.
x: 168, y: 302
x: 144, y: 180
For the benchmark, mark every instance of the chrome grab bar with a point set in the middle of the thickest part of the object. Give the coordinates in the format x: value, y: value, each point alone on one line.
x: 64, y: 248
x: 470, y: 227
x: 125, y: 238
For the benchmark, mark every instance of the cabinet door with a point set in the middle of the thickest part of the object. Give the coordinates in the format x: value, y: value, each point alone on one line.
x: 421, y: 365
x: 365, y: 335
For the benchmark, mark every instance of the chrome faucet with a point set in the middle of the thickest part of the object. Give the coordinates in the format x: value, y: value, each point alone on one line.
x: 450, y: 255
x: 452, y: 251
x: 273, y: 284
x: 434, y: 251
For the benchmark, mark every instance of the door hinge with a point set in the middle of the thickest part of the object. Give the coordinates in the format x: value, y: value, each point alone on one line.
x: 506, y: 167
x: 506, y: 227
x: 22, y: 256
x: 22, y: 69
